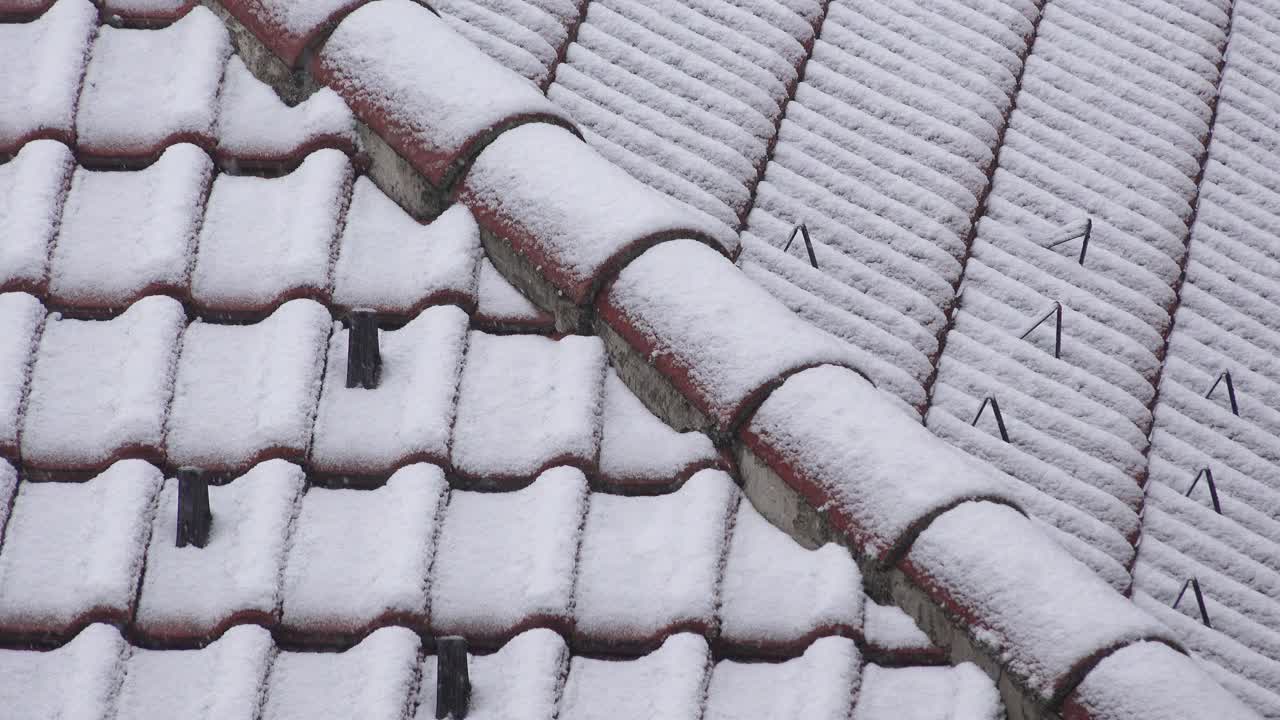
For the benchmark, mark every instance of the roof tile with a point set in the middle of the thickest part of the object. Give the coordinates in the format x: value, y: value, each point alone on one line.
x: 436, y: 110
x: 521, y: 681
x: 129, y: 234
x: 501, y: 307
x: 146, y: 89
x: 100, y: 389
x: 390, y: 263
x: 408, y: 416
x: 33, y: 186
x: 257, y: 129
x: 21, y: 320
x: 224, y: 680
x: 290, y: 28
x: 358, y: 559
x: 506, y: 560
x: 650, y: 566
x: 818, y: 685
x: 245, y: 393
x: 265, y: 240
x: 73, y: 552
x: 372, y: 680
x: 41, y: 65
x: 148, y: 13
x: 638, y: 452
x: 526, y: 404
x: 667, y: 683
x: 75, y: 681
x: 936, y: 693
x: 192, y: 593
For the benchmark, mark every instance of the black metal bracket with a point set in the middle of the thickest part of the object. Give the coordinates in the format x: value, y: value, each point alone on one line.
x: 1207, y: 474
x: 364, y: 359
x: 1194, y: 584
x: 808, y: 244
x: 1231, y: 391
x: 995, y: 409
x: 1057, y: 328
x: 453, y: 681
x: 194, y: 517
x: 1082, y: 236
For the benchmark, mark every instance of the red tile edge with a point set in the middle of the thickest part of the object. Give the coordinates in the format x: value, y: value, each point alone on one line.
x: 291, y: 47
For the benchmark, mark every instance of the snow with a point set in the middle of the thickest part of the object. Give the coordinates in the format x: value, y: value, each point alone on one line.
x: 525, y: 36
x: 75, y: 681
x: 358, y: 557
x: 157, y: 10
x: 778, y: 593
x: 818, y: 685
x: 695, y: 315
x: 126, y: 234
x: 519, y: 682
x: 75, y: 549
x: 43, y: 62
x: 222, y: 680
x: 826, y: 420
x: 430, y: 107
x: 194, y: 592
x: 266, y: 239
x: 32, y: 187
x: 1152, y: 680
x: 255, y: 125
x: 574, y: 225
x: 8, y: 486
x: 526, y: 403
x: 1042, y: 611
x: 887, y: 627
x: 638, y: 450
x: 408, y: 416
x: 101, y: 388
x: 389, y: 262
x: 21, y: 320
x: 667, y: 683
x: 506, y: 560
x: 651, y: 565
x: 936, y: 693
x: 498, y: 302
x: 371, y: 680
x: 246, y: 392
x: 147, y: 88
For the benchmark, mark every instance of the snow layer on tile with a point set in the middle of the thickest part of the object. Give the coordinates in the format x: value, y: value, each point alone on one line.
x: 650, y: 566
x: 711, y: 329
x: 887, y: 627
x: 126, y: 234
x: 194, y: 592
x: 21, y: 320
x: 148, y: 10
x: 1044, y: 612
x: 431, y: 108
x: 287, y: 27
x: 527, y: 37
x: 819, y: 685
x: 575, y: 225
x: 935, y: 693
x: 1152, y: 680
x: 506, y: 560
x: 874, y: 467
x: 145, y: 89
x: 32, y: 188
x: 389, y: 262
x: 101, y: 388
x: 637, y: 449
x: 358, y: 557
x: 8, y: 486
x: 244, y: 392
x: 521, y: 681
x: 74, y: 550
x: 409, y: 414
x: 778, y: 593
x: 666, y: 684
x: 41, y: 65
x: 255, y: 126
x: 498, y: 302
x: 266, y: 239
x: 527, y: 403
x: 76, y: 681
x: 372, y: 680
x: 222, y: 680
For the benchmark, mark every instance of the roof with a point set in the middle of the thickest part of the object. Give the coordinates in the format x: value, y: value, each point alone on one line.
x: 643, y: 455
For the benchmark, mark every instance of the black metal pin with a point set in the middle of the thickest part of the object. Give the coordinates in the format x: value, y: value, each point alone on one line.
x: 1194, y: 584
x: 1231, y: 391
x: 194, y: 517
x: 1072, y: 235
x: 1207, y: 474
x: 995, y: 409
x: 364, y: 359
x: 1057, y: 328
x: 803, y: 230
x: 453, y: 681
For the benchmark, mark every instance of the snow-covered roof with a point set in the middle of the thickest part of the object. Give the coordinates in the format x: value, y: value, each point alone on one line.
x: 735, y: 358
